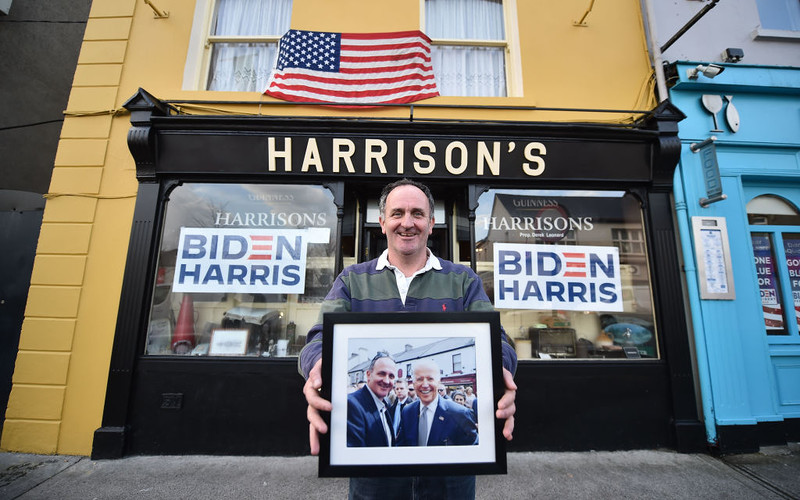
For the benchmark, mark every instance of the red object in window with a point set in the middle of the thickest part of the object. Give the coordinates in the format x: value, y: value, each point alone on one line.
x: 183, y: 338
x: 161, y: 276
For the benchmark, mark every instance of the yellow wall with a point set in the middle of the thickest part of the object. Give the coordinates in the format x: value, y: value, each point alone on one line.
x: 58, y: 394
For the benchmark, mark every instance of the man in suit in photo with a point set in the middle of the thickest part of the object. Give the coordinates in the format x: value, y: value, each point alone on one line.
x: 401, y: 400
x: 433, y: 420
x: 369, y: 422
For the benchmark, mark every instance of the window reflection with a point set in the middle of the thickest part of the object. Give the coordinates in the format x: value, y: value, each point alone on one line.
x: 546, y: 225
x: 238, y: 239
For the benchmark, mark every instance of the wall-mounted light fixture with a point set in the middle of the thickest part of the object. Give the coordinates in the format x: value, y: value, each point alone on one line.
x: 709, y: 71
x: 732, y: 55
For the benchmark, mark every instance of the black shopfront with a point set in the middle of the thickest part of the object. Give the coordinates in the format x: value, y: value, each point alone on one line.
x: 204, y: 358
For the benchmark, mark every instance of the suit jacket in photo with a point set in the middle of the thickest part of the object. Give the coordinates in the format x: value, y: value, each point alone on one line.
x: 364, y: 425
x: 453, y: 425
x: 397, y: 418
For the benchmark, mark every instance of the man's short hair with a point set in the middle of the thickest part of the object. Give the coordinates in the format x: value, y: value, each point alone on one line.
x: 404, y: 182
x: 380, y: 355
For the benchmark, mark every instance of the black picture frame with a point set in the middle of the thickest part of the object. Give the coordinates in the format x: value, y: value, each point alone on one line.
x: 409, y: 337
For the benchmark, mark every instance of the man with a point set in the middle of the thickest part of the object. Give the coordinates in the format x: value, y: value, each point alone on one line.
x: 368, y: 420
x: 433, y: 420
x: 403, y: 277
x: 443, y: 392
x: 400, y: 402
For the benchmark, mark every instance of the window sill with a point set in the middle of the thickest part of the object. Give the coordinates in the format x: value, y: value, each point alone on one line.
x: 779, y: 35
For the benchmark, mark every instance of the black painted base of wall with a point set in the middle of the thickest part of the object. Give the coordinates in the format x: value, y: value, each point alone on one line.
x: 733, y: 439
x: 252, y: 407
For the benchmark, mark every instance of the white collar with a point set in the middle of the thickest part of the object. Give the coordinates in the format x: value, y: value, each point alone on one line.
x: 431, y: 263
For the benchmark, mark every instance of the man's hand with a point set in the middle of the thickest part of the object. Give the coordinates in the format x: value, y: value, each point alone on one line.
x: 506, y: 407
x: 316, y: 425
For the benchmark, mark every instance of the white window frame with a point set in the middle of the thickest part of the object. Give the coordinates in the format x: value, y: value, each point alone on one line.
x: 513, y: 61
x: 198, y: 57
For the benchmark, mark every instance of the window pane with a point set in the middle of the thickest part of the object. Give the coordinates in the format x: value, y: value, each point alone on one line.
x: 246, y: 67
x: 464, y: 19
x: 242, y: 67
x: 242, y: 269
x: 771, y: 302
x: 779, y: 14
x: 252, y: 17
x: 791, y: 247
x: 469, y: 71
x: 570, y: 284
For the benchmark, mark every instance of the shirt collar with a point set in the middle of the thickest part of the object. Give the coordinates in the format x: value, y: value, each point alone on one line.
x: 432, y: 406
x: 378, y: 401
x: 431, y: 263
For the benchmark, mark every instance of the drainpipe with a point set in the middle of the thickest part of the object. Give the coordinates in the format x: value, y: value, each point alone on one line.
x: 690, y: 270
x: 655, y: 50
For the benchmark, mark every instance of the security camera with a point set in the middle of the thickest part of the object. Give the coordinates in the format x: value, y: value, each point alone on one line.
x: 709, y: 71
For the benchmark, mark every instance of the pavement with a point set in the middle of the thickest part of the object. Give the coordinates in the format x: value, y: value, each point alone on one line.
x: 774, y: 472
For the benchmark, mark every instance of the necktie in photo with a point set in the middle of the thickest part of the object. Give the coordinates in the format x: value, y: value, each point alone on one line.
x: 422, y: 431
x: 396, y: 417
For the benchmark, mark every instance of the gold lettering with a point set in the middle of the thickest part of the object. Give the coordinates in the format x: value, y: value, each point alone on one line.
x: 311, y: 157
x: 484, y: 158
x: 431, y: 162
x: 273, y: 154
x: 538, y: 160
x: 371, y: 154
x: 448, y: 158
x: 345, y: 154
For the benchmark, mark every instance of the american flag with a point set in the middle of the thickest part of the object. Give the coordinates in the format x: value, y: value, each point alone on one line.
x: 353, y: 68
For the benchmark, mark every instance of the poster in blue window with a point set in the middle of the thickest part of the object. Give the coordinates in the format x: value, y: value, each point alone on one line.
x: 792, y: 249
x: 767, y: 282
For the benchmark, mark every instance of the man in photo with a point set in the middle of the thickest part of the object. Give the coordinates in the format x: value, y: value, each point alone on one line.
x: 401, y: 400
x: 406, y: 277
x: 434, y: 420
x: 369, y: 422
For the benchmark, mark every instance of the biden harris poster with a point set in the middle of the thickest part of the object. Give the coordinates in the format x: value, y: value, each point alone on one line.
x: 244, y: 260
x: 577, y: 278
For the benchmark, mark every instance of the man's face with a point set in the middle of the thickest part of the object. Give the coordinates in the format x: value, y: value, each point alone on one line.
x: 381, y: 378
x: 401, y: 389
x: 425, y: 383
x: 412, y: 393
x: 407, y: 221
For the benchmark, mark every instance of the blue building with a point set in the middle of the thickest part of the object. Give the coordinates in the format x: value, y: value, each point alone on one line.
x: 736, y: 76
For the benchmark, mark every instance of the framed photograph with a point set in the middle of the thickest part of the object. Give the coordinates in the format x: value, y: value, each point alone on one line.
x: 228, y: 342
x: 373, y: 364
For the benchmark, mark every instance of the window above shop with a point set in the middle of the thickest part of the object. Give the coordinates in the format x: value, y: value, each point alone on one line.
x: 234, y: 44
x: 473, y: 46
x: 780, y: 19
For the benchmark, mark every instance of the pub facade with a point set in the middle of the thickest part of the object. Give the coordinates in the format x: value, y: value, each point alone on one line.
x: 245, y: 212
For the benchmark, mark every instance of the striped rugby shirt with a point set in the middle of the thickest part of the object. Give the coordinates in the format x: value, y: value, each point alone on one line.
x: 372, y: 287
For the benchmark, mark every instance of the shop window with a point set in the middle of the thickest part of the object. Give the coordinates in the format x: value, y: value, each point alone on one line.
x: 242, y: 269
x: 775, y: 235
x: 239, y: 43
x: 470, y: 46
x: 569, y: 273
x: 781, y: 15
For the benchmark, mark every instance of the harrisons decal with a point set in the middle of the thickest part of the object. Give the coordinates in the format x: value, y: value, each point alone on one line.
x: 577, y: 278
x: 244, y: 260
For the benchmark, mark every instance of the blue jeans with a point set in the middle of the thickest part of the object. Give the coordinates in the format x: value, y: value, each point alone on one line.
x: 413, y: 488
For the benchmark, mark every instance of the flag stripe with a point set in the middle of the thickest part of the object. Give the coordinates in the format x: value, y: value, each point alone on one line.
x: 353, y: 67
